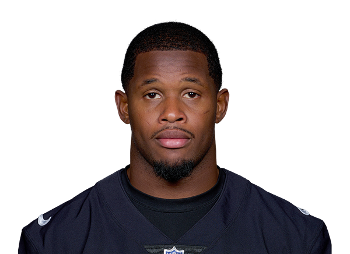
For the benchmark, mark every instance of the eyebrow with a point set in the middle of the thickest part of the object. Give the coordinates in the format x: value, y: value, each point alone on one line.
x: 192, y: 80
x: 148, y: 81
x: 187, y: 79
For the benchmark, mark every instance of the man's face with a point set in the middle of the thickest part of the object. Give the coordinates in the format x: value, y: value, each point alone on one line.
x: 172, y: 107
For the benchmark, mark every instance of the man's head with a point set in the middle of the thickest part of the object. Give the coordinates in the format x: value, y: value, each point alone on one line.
x: 172, y: 99
x: 171, y: 36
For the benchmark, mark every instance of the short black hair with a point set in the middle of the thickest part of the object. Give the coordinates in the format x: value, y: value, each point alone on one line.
x: 171, y: 36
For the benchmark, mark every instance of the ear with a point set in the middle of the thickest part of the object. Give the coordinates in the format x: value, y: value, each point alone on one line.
x: 222, y: 104
x: 121, y: 99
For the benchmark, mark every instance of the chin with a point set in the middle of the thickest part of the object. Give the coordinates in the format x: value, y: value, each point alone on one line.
x: 173, y: 171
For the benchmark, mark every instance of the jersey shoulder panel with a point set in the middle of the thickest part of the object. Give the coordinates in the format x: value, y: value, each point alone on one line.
x: 270, y: 223
x: 70, y: 225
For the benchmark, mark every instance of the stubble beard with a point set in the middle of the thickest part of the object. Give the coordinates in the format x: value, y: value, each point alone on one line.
x: 175, y: 171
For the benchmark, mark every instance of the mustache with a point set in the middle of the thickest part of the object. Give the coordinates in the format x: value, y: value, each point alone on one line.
x: 172, y: 128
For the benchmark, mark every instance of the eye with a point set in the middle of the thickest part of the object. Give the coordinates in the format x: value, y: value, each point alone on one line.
x: 191, y: 95
x: 152, y: 96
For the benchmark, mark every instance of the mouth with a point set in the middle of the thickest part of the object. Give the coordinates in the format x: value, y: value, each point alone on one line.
x: 173, y: 138
x: 173, y: 143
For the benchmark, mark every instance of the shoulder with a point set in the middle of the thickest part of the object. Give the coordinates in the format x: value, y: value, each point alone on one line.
x: 65, y: 223
x: 268, y: 202
x: 279, y: 219
x: 282, y: 209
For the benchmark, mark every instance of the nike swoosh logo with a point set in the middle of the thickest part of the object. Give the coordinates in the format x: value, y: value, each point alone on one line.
x: 303, y: 211
x: 41, y: 221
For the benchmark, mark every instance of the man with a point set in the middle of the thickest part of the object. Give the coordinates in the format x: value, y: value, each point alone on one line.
x: 173, y: 198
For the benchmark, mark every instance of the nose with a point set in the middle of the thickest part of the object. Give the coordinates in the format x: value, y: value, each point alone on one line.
x: 172, y: 111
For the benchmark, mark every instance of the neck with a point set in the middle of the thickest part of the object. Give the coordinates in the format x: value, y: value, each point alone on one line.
x: 202, y: 179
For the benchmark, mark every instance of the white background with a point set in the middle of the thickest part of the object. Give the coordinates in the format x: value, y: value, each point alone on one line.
x: 11, y: 11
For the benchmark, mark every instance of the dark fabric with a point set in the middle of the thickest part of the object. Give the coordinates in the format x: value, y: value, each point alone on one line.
x: 174, y: 217
x: 244, y: 219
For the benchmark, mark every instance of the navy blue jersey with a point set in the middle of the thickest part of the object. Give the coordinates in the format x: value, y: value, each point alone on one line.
x: 244, y: 219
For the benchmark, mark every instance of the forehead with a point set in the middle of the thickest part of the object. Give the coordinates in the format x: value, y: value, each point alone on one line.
x: 175, y: 63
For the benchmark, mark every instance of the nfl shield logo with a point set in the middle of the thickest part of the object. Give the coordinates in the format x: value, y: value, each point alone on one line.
x: 174, y: 251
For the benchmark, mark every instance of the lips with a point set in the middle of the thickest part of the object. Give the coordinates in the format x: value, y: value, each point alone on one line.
x: 173, y: 139
x: 172, y: 134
